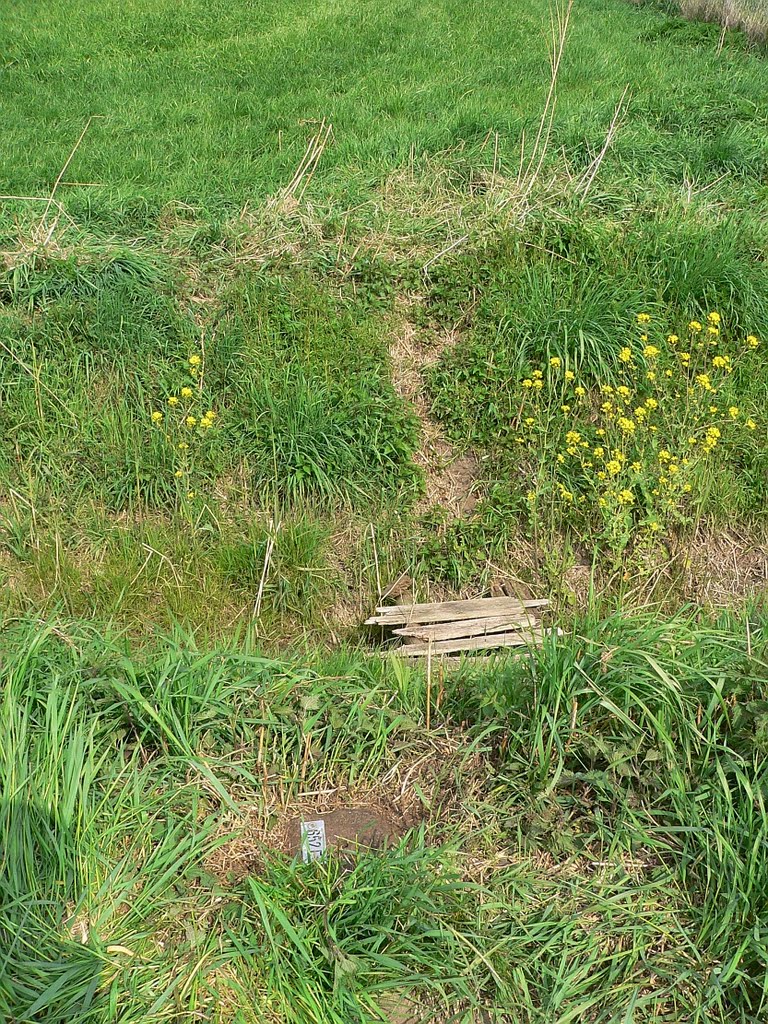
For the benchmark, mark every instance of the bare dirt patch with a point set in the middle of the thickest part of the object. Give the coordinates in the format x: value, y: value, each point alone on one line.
x: 430, y: 783
x: 451, y: 476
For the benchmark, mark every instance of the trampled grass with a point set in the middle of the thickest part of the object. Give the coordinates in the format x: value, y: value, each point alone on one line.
x: 588, y: 836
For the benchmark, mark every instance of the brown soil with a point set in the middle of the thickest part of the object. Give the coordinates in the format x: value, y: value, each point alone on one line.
x: 451, y: 477
x: 429, y: 783
x: 349, y: 830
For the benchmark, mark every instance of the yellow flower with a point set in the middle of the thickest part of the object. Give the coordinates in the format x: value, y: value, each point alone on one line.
x: 579, y: 392
x: 651, y: 375
x: 702, y: 379
x: 653, y: 526
x: 687, y: 488
x: 173, y: 401
x: 714, y: 331
x: 750, y: 424
x: 600, y: 432
x: 713, y: 409
x: 599, y: 452
x: 531, y: 496
x: 529, y: 421
x: 186, y: 392
x: 627, y: 426
x: 650, y: 351
x: 641, y: 413
x: 720, y: 362
x: 569, y: 375
x: 601, y: 475
x: 572, y: 437
x: 206, y: 424
x: 157, y: 417
x: 685, y: 358
x: 651, y: 403
x: 554, y: 362
x: 537, y: 374
x: 694, y: 326
x: 643, y: 318
x: 691, y: 440
x: 624, y: 391
x: 733, y: 411
x: 626, y: 497
x: 538, y: 384
x: 673, y: 339
x: 667, y: 373
x: 565, y: 408
x: 607, y: 406
x: 190, y: 495
x: 190, y: 421
x: 664, y: 455
x: 560, y: 458
x: 713, y: 318
x: 527, y: 383
x: 673, y: 468
x: 625, y: 355
x: 613, y: 467
x: 643, y: 338
x: 606, y: 389
x: 182, y: 446
x: 635, y: 467
x: 752, y: 341
x: 179, y: 473
x: 211, y: 415
x: 194, y: 360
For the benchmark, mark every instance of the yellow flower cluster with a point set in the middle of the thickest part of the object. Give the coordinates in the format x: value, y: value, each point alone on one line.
x: 185, y: 424
x: 630, y: 449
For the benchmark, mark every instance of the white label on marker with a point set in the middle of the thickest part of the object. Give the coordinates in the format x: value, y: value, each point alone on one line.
x: 313, y: 843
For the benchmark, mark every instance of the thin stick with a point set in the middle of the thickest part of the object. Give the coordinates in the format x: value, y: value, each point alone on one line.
x: 63, y: 170
x: 588, y: 176
x: 429, y: 686
x: 265, y: 569
x: 376, y: 563
x: 31, y: 372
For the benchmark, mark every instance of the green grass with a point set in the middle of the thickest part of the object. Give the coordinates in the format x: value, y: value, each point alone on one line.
x: 585, y: 830
x: 593, y: 836
x: 175, y: 248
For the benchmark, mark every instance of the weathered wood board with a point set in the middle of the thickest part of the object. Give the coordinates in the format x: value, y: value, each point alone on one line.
x: 523, y: 638
x: 451, y: 627
x: 450, y: 611
x: 465, y: 627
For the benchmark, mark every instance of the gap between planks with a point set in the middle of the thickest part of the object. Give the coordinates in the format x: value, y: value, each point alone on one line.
x: 525, y: 638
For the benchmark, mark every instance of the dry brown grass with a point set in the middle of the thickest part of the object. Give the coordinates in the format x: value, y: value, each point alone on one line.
x: 750, y: 16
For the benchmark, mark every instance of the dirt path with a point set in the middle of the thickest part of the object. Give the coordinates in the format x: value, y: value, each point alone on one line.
x: 451, y: 477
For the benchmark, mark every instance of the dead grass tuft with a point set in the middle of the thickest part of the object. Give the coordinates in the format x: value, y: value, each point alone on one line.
x: 748, y: 16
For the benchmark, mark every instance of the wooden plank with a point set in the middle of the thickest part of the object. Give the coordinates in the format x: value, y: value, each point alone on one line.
x: 450, y: 611
x: 465, y: 627
x: 523, y: 638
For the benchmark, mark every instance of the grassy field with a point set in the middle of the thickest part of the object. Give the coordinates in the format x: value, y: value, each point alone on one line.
x: 298, y: 303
